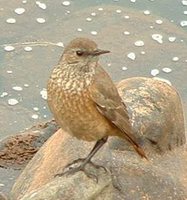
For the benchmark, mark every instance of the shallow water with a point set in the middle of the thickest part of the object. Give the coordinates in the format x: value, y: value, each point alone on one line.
x: 146, y: 38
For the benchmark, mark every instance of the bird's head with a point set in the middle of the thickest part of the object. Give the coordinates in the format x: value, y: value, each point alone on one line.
x: 83, y: 51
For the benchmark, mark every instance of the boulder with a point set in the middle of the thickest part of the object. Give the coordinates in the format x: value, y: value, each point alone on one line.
x: 157, y: 118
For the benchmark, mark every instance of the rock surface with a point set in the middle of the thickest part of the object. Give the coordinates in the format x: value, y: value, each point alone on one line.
x: 158, y: 123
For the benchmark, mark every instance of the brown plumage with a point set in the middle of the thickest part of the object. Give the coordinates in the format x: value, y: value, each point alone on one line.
x: 84, y: 100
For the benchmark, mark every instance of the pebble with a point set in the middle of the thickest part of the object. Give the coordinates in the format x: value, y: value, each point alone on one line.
x: 9, y: 71
x: 28, y: 48
x: 172, y: 39
x: 139, y: 43
x: 13, y: 102
x: 4, y: 94
x: 118, y: 11
x: 185, y: 12
x: 158, y: 38
x: 175, y: 59
x: 126, y: 33
x: 9, y: 48
x: 126, y: 17
x: 26, y: 85
x: 100, y: 9
x: 166, y: 69
x: 35, y: 108
x: 184, y: 2
x: 41, y: 5
x: 40, y: 20
x: 155, y: 72
x: 66, y: 3
x: 17, y: 88
x: 93, y: 14
x: 34, y: 116
x: 60, y: 44
x: 79, y: 29
x: 11, y: 20
x: 88, y: 19
x: 124, y: 68
x: 94, y: 32
x: 183, y: 23
x: 131, y: 55
x: 43, y: 93
x: 147, y: 12
x: 19, y: 11
x: 159, y: 21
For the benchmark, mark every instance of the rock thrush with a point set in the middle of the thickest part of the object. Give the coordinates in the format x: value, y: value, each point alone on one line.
x: 85, y: 101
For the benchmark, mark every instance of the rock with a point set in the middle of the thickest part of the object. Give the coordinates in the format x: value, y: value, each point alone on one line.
x: 157, y: 119
x: 16, y: 151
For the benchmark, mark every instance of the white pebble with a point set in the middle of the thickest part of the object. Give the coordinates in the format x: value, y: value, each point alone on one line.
x: 9, y: 71
x: 184, y: 2
x: 162, y: 79
x: 131, y: 55
x: 24, y: 1
x: 11, y: 21
x: 88, y: 19
x: 126, y: 33
x: 43, y: 93
x: 41, y: 5
x: 154, y: 72
x: 151, y: 27
x: 79, y: 29
x: 166, y: 69
x: 28, y: 49
x: 40, y: 20
x: 2, y: 185
x: 109, y: 64
x: 19, y: 11
x: 124, y: 68
x: 66, y: 3
x: 118, y: 11
x: 172, y: 39
x: 26, y: 85
x: 100, y: 9
x: 159, y: 21
x: 60, y: 44
x: 146, y: 12
x: 17, y: 88
x: 4, y: 94
x: 34, y: 116
x: 94, y: 32
x: 175, y: 59
x: 133, y: 1
x: 9, y: 48
x: 139, y: 43
x: 142, y: 52
x: 93, y: 14
x: 185, y: 12
x: 183, y: 23
x: 35, y: 108
x: 126, y: 17
x: 13, y: 102
x: 158, y: 38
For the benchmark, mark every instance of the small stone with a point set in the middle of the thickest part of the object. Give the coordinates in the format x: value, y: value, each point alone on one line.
x: 88, y: 19
x: 93, y: 14
x: 131, y: 55
x: 118, y: 11
x: 124, y: 68
x: 166, y: 69
x: 11, y: 21
x: 159, y: 21
x: 60, y: 44
x: 100, y: 9
x: 94, y: 32
x: 126, y: 17
x: 9, y: 48
x: 41, y: 5
x: 146, y: 12
x: 40, y: 20
x: 66, y: 3
x: 17, y: 88
x: 139, y: 43
x: 154, y: 72
x: 26, y: 85
x: 175, y: 59
x: 185, y: 12
x: 12, y: 102
x: 9, y: 71
x: 183, y: 23
x: 126, y: 33
x: 142, y: 52
x: 35, y: 108
x: 19, y: 11
x: 158, y: 38
x: 43, y: 93
x: 34, y: 116
x: 184, y: 2
x: 172, y: 39
x: 79, y: 29
x: 28, y: 48
x: 133, y: 1
x: 4, y: 94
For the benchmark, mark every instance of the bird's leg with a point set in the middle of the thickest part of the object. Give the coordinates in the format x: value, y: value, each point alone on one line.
x: 81, y: 167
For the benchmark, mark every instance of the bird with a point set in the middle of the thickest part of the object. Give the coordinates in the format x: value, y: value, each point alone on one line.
x: 85, y: 101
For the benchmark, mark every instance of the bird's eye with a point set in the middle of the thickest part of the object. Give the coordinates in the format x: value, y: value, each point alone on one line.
x: 79, y: 53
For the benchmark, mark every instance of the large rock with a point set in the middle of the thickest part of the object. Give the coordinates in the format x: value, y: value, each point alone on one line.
x: 157, y: 119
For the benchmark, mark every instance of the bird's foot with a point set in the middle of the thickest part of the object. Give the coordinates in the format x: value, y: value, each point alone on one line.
x: 74, y: 167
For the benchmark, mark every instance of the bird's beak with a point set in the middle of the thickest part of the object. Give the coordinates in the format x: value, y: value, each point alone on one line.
x: 98, y: 52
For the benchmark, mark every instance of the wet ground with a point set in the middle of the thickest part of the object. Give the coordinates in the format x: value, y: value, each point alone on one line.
x: 146, y: 38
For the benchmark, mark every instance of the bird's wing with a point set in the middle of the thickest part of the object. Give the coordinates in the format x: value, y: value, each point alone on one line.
x: 109, y: 104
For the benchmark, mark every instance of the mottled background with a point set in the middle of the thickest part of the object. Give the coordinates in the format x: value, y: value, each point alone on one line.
x: 146, y: 38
